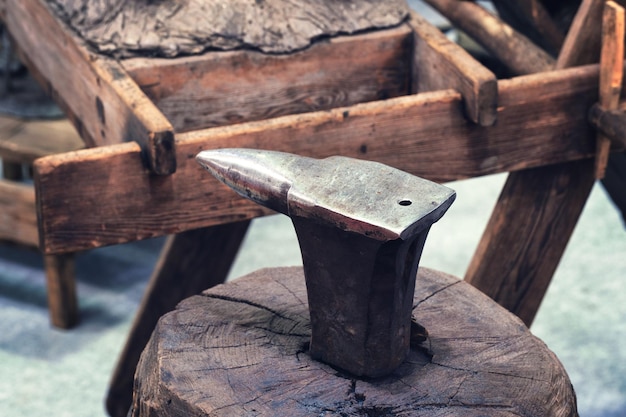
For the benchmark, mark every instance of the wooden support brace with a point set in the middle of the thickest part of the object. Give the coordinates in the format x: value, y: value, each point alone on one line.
x: 611, y: 74
x: 540, y: 208
x: 190, y: 263
x: 104, y: 104
x: 113, y: 199
x: 512, y: 48
x: 441, y: 64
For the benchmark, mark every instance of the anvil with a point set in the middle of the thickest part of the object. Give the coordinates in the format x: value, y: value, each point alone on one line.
x: 361, y: 226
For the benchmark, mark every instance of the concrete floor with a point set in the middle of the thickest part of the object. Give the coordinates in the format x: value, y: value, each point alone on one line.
x: 44, y: 371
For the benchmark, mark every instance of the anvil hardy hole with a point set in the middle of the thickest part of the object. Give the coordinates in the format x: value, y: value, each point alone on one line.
x: 405, y: 202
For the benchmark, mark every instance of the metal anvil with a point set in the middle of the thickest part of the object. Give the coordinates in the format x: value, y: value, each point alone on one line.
x: 361, y: 226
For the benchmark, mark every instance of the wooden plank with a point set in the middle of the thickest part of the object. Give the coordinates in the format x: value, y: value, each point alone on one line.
x: 222, y: 88
x: 114, y: 199
x: 611, y: 74
x: 612, y: 123
x: 440, y: 64
x: 190, y: 262
x: 61, y: 283
x: 18, y: 220
x: 104, y: 104
x: 512, y: 48
x: 28, y: 140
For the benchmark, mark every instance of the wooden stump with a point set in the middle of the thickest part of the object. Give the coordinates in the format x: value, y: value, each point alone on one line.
x: 240, y: 349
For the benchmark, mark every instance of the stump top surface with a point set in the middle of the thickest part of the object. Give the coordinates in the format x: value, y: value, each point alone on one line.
x: 173, y: 28
x: 240, y: 349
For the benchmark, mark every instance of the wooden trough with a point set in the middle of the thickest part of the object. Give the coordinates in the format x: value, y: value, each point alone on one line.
x: 405, y: 96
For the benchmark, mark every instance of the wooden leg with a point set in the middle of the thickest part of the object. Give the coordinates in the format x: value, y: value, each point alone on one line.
x: 527, y: 234
x: 62, y: 301
x: 190, y: 263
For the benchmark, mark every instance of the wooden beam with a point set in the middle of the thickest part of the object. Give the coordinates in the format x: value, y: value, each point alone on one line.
x: 441, y: 64
x: 223, y: 88
x: 583, y: 40
x: 18, y: 220
x: 540, y: 208
x: 512, y: 48
x: 103, y: 102
x: 114, y: 199
x: 611, y: 74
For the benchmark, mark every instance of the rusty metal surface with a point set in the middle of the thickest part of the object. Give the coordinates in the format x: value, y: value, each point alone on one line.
x: 361, y: 226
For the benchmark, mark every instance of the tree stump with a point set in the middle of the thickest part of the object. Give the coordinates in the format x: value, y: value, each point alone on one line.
x: 240, y: 349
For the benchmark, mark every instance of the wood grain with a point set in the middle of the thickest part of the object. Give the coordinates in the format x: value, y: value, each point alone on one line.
x: 104, y: 104
x: 612, y: 123
x: 18, y: 219
x: 61, y: 285
x: 584, y: 39
x: 539, y: 208
x: 115, y: 200
x: 611, y: 74
x: 440, y: 64
x: 223, y: 88
x: 241, y: 349
x: 512, y: 48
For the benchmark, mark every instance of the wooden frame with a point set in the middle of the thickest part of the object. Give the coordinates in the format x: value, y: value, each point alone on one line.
x: 413, y: 100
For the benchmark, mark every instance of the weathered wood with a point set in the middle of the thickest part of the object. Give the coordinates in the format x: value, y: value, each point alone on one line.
x: 18, y: 220
x: 190, y: 263
x: 441, y: 64
x: 241, y: 349
x: 527, y: 234
x: 531, y: 18
x: 62, y: 301
x: 540, y: 208
x: 513, y: 49
x: 611, y: 74
x: 612, y: 123
x: 171, y: 29
x: 104, y: 104
x: 115, y: 200
x: 222, y: 88
x: 583, y: 41
x: 23, y: 141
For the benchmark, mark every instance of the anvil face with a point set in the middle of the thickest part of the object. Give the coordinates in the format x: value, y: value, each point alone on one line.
x: 354, y: 195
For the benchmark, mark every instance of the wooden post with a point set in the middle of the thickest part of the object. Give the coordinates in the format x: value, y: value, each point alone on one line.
x: 62, y: 300
x: 611, y: 74
x: 540, y: 208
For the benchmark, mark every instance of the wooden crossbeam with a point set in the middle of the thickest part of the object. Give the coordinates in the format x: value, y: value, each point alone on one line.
x: 18, y: 221
x: 114, y: 199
